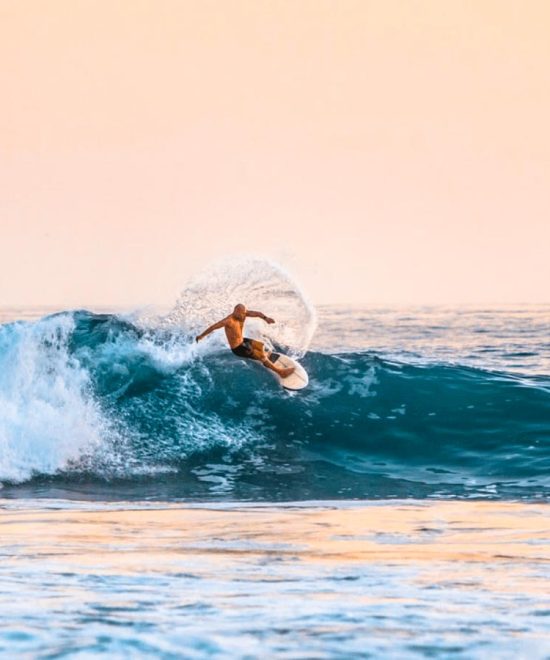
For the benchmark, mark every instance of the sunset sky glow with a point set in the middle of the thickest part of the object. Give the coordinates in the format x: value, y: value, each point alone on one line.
x: 384, y: 152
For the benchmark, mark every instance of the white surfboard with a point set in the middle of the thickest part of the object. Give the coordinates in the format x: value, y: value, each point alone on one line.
x: 298, y: 379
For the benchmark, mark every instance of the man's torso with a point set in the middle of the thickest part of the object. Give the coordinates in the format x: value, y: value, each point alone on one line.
x: 234, y: 332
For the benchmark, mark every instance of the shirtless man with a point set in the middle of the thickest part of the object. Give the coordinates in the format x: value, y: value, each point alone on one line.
x: 244, y: 347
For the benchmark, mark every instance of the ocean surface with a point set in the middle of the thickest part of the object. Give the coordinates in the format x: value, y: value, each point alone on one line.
x: 422, y: 402
x: 165, y: 499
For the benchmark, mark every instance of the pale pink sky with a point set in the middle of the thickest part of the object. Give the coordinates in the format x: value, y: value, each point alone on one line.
x: 387, y: 151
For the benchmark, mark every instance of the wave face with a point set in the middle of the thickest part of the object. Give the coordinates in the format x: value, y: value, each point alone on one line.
x: 98, y: 405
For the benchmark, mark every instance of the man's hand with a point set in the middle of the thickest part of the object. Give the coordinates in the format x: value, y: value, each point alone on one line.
x: 198, y: 338
x: 269, y: 320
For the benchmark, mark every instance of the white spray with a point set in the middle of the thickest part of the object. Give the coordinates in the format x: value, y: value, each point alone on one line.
x: 260, y: 285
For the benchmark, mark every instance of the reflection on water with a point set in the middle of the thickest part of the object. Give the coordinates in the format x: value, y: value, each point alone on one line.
x: 467, y: 579
x: 510, y: 338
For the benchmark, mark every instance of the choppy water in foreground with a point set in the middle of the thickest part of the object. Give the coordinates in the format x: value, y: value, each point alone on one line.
x: 393, y: 579
x: 162, y: 499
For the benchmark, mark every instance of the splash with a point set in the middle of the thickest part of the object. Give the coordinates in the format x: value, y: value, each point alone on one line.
x: 260, y: 285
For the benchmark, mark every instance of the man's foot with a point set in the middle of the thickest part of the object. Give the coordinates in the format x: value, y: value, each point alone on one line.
x: 283, y: 373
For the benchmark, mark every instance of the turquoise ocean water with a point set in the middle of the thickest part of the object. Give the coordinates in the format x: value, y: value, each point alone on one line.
x: 437, y: 416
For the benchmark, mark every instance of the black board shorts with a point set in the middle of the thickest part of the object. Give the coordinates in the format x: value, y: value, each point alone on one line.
x: 245, y: 349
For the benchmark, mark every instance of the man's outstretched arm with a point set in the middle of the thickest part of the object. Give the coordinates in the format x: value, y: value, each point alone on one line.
x: 260, y: 315
x: 211, y: 328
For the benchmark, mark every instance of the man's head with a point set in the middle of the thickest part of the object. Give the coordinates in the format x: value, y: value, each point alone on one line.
x: 239, y: 312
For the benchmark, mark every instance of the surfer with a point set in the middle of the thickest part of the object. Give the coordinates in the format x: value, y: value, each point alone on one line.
x: 243, y: 346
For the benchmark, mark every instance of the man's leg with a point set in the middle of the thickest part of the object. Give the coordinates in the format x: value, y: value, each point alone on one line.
x: 260, y: 353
